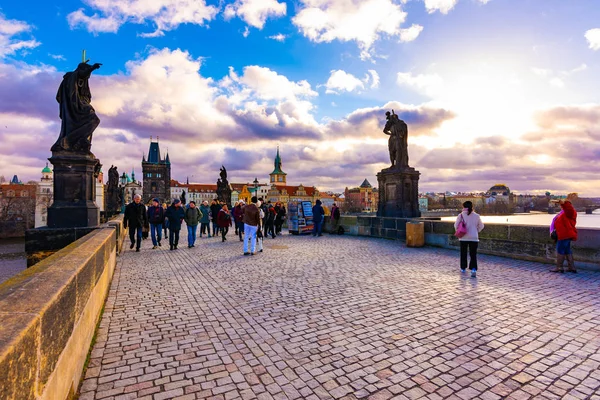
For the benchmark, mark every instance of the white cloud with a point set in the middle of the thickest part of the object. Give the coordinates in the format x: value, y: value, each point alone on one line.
x: 375, y: 79
x: 166, y: 15
x: 443, y: 6
x: 427, y: 83
x: 410, y: 34
x: 557, y: 82
x: 58, y: 57
x: 362, y: 21
x: 340, y: 80
x: 9, y: 44
x: 541, y: 72
x: 593, y: 38
x: 255, y: 12
x: 280, y: 37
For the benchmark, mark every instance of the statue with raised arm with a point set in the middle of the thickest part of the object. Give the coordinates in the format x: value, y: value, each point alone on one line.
x: 78, y: 117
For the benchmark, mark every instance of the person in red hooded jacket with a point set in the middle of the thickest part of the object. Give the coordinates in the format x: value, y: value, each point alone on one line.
x: 566, y: 233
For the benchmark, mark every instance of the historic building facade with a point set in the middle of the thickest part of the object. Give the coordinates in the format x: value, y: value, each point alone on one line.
x: 363, y: 198
x: 156, y: 172
x: 44, y: 197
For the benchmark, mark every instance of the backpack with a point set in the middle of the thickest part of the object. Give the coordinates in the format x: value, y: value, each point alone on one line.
x: 340, y: 230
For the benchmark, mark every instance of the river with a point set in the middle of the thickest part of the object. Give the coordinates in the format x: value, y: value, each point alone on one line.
x: 543, y: 219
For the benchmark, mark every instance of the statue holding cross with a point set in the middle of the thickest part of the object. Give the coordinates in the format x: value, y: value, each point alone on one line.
x: 78, y: 117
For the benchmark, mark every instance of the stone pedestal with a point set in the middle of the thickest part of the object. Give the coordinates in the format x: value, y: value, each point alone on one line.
x: 398, y: 193
x: 74, y: 192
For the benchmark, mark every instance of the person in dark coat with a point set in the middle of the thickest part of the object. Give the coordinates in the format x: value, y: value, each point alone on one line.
x: 174, y: 216
x: 238, y: 215
x: 156, y: 218
x: 280, y: 209
x: 270, y: 218
x: 335, y: 218
x: 165, y: 222
x: 318, y: 217
x: 214, y: 211
x: 135, y: 219
x: 224, y: 221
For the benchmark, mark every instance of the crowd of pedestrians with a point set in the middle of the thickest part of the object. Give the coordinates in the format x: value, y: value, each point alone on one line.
x: 252, y: 222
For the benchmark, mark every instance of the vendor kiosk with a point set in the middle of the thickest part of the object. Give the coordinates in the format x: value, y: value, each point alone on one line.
x: 300, y: 217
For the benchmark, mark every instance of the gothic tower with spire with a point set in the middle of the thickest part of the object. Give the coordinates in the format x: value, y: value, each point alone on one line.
x: 278, y: 177
x: 156, y: 175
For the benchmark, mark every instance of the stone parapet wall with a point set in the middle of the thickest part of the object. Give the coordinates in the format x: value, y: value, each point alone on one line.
x: 525, y: 242
x: 48, y: 316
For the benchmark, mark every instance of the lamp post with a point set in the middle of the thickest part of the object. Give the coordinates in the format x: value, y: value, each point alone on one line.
x: 123, y: 183
x: 256, y: 187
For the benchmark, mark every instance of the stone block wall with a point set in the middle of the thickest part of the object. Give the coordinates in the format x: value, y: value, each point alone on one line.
x: 524, y: 242
x: 48, y: 316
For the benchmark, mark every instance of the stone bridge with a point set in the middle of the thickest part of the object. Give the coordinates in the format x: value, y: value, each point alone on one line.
x: 339, y: 317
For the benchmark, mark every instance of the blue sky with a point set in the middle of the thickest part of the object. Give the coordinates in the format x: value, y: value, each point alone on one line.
x: 493, y: 90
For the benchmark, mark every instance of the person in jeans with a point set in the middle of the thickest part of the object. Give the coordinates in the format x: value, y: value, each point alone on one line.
x: 224, y: 221
x: 174, y: 216
x: 251, y: 222
x: 192, y: 219
x: 566, y: 232
x: 156, y: 217
x: 318, y: 217
x: 135, y: 218
x: 470, y: 241
x: 205, y: 220
x: 238, y: 215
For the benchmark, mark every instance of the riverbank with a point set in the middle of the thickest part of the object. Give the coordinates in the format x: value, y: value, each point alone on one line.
x: 538, y: 219
x: 12, y: 257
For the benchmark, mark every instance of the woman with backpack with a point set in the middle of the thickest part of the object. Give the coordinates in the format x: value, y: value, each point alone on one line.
x: 468, y: 225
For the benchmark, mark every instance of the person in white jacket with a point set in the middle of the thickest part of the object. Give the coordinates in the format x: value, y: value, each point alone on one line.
x: 470, y: 241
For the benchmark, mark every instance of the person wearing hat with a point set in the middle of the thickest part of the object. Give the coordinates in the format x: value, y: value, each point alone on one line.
x: 156, y: 217
x: 174, y: 216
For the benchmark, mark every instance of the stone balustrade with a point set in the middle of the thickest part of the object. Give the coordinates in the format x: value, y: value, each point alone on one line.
x: 49, y: 313
x: 525, y: 242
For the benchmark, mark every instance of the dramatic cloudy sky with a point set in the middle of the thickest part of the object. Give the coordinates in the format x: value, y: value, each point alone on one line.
x: 492, y: 90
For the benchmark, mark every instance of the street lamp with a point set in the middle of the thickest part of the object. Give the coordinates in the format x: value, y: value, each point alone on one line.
x: 255, y: 187
x: 123, y: 183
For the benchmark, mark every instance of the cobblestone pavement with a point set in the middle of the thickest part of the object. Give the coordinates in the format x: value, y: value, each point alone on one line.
x: 342, y: 317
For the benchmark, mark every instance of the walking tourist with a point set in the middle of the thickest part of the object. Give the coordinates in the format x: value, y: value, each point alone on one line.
x: 470, y: 241
x: 166, y: 222
x: 270, y: 221
x: 224, y: 221
x: 174, y: 216
x: 156, y: 217
x: 215, y: 207
x: 238, y: 215
x: 566, y: 232
x: 318, y: 217
x: 135, y: 218
x: 205, y: 219
x: 280, y: 209
x: 232, y: 212
x: 192, y: 218
x: 251, y: 222
x: 259, y: 232
x: 335, y: 218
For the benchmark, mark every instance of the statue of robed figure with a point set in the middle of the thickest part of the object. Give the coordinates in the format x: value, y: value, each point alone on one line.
x: 398, y: 141
x: 79, y: 119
